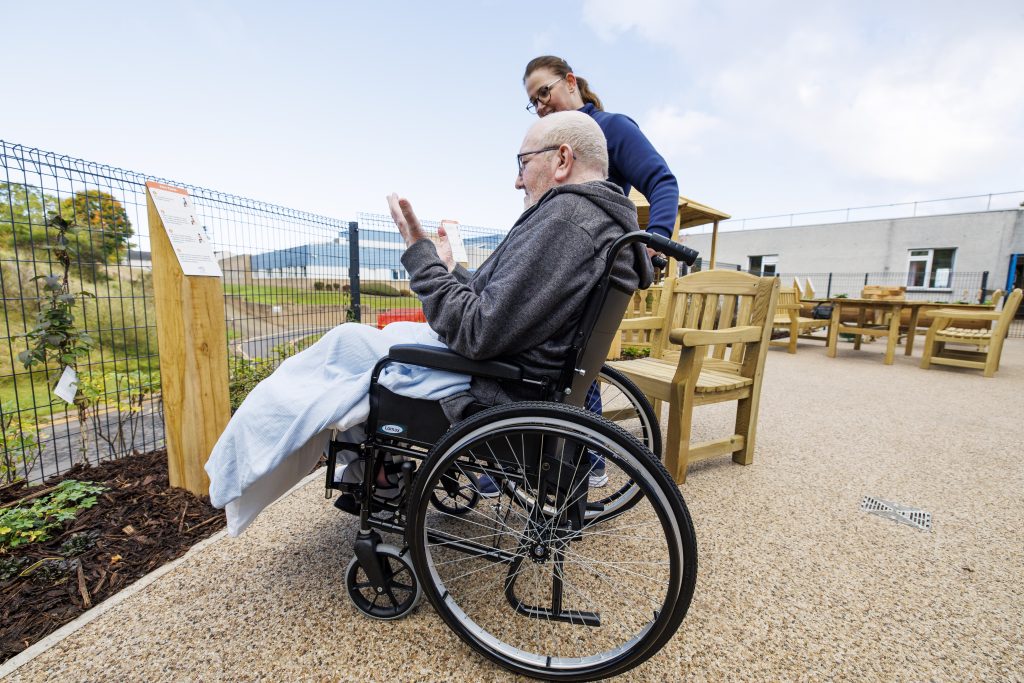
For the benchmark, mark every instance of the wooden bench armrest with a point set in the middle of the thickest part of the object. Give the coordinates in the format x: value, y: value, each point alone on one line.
x: 651, y: 322
x: 730, y: 335
x: 957, y: 314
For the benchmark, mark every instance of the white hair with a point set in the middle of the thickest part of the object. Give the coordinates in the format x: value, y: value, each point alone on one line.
x: 579, y: 131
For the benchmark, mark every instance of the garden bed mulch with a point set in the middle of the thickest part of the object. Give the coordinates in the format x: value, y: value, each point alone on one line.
x: 137, y: 525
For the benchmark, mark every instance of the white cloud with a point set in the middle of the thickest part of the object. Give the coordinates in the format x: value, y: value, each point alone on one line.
x: 917, y: 94
x: 922, y: 114
x: 656, y: 20
x: 678, y: 133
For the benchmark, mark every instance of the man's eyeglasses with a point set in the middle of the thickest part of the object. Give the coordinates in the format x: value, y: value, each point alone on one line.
x: 542, y: 96
x: 519, y: 157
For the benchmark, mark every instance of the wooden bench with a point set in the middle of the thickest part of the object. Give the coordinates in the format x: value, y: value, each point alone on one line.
x: 787, y: 317
x: 948, y: 328
x: 645, y: 303
x: 708, y: 346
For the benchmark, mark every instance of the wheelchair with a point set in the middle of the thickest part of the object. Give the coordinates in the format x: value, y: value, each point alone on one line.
x: 546, y: 572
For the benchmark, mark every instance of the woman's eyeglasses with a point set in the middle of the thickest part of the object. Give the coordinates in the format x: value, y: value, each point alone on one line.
x: 542, y: 96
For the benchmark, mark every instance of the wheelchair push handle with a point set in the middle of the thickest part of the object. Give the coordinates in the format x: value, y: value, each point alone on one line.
x: 673, y: 249
x: 657, y: 242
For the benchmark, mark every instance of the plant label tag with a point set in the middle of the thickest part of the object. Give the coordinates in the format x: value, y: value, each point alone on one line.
x: 67, y: 387
x: 451, y: 229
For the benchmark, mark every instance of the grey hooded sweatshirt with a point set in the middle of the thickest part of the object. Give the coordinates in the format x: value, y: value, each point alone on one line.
x: 524, y: 302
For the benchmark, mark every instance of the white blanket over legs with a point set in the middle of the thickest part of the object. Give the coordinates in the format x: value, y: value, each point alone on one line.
x: 278, y: 433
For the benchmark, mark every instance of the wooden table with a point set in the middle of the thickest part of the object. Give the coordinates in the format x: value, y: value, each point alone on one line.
x: 891, y: 331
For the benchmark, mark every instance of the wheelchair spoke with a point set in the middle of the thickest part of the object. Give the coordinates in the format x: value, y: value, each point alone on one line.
x: 654, y: 603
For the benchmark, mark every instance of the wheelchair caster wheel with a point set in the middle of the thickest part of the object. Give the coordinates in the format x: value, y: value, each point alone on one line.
x: 398, y: 596
x: 456, y: 494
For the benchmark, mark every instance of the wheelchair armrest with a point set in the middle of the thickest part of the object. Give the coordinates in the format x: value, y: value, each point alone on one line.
x: 446, y: 359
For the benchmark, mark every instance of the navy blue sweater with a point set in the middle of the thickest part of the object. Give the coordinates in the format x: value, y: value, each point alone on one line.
x: 633, y: 161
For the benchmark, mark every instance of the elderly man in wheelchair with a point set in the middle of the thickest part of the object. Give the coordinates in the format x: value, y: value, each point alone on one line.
x: 546, y: 576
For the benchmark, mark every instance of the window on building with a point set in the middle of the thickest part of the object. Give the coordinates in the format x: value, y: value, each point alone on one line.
x: 930, y: 268
x: 766, y: 264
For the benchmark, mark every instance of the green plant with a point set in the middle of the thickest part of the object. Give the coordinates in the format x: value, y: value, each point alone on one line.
x: 23, y: 525
x: 841, y: 296
x: 378, y: 289
x: 21, y: 444
x: 78, y: 544
x: 55, y: 338
x: 318, y: 286
x: 121, y: 394
x: 630, y: 352
x: 11, y: 566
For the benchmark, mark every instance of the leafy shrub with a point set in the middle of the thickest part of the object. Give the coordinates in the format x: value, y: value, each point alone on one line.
x: 78, y: 544
x: 377, y: 289
x: 12, y: 566
x: 631, y: 352
x: 23, y: 525
x: 124, y: 393
x: 318, y: 286
x: 20, y: 445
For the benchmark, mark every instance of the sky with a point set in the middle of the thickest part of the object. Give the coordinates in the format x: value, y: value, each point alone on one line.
x: 759, y: 108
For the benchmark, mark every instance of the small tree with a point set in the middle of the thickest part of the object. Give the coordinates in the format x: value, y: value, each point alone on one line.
x: 55, y: 341
x: 104, y: 228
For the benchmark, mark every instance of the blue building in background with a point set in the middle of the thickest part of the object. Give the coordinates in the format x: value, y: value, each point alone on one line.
x: 380, y: 254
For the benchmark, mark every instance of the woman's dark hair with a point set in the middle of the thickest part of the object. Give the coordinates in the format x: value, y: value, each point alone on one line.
x: 560, y: 67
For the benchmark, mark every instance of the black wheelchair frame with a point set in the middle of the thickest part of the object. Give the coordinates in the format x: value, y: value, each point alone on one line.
x: 543, y: 471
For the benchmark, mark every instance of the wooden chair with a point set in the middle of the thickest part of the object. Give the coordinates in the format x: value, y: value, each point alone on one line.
x: 988, y: 342
x: 645, y: 303
x: 808, y: 292
x: 997, y: 296
x: 788, y: 318
x: 709, y: 346
x: 884, y: 292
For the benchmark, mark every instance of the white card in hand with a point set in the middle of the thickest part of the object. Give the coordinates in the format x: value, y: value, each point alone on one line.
x: 67, y: 387
x: 451, y: 229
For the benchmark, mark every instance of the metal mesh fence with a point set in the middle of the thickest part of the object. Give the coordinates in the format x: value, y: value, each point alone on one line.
x: 270, y: 311
x: 965, y: 287
x: 288, y: 277
x: 384, y: 283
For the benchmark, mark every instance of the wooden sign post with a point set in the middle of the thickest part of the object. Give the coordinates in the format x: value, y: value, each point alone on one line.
x: 192, y: 336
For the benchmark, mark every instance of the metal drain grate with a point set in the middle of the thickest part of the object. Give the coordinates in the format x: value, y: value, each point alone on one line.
x: 919, y: 519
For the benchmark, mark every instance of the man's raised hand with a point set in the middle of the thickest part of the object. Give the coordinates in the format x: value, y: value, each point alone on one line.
x: 403, y: 216
x: 444, y: 249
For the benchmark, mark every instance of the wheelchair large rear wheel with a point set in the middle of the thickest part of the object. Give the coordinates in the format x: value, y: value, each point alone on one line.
x: 543, y: 590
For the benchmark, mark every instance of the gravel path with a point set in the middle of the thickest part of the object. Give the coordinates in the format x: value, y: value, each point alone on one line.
x: 795, y: 583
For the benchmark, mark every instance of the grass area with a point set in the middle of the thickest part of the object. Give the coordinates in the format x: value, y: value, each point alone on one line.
x: 120, y: 316
x: 271, y: 294
x: 34, y: 386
